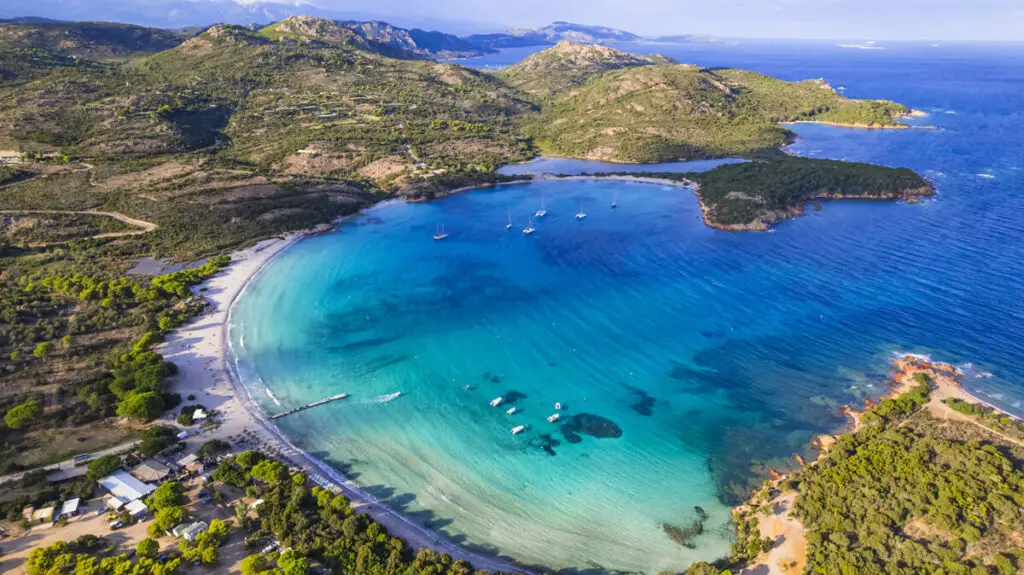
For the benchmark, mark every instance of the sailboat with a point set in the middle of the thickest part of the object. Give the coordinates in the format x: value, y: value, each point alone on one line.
x: 508, y: 226
x: 529, y: 228
x: 615, y: 203
x: 440, y: 234
x: 541, y: 212
x: 581, y: 214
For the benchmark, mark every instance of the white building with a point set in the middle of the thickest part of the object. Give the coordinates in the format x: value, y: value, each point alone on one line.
x: 124, y: 487
x: 70, y: 508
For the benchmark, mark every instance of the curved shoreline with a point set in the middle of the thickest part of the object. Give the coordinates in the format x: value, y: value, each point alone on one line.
x: 209, y: 368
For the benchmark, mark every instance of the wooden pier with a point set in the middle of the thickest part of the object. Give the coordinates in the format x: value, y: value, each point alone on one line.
x: 310, y: 405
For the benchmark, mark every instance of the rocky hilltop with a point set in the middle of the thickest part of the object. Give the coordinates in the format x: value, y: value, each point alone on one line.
x: 567, y: 65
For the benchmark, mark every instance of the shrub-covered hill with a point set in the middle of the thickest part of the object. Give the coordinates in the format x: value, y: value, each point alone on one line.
x: 327, y: 108
x: 87, y: 40
x: 618, y: 107
x: 552, y: 72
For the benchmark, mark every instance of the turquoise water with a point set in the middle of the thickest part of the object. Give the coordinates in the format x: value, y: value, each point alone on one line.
x: 700, y: 356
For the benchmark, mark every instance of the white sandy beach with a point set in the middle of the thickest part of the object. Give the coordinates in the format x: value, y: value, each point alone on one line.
x: 201, y: 352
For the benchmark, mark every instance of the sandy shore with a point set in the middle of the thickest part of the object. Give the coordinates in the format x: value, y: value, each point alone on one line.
x: 579, y: 178
x: 205, y: 371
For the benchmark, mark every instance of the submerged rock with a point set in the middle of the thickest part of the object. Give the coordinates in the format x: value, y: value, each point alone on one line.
x: 683, y: 535
x: 589, y: 424
x: 545, y: 442
x: 644, y: 404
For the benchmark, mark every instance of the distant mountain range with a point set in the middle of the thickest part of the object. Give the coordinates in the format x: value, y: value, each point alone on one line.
x: 400, y: 32
x: 569, y: 32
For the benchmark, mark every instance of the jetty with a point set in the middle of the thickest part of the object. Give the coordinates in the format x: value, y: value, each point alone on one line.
x: 309, y: 405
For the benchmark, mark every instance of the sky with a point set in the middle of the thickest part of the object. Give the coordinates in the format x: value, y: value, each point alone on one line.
x: 934, y: 20
x: 867, y: 19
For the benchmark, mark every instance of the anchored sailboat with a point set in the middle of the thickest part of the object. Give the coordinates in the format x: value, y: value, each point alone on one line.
x: 440, y: 234
x: 541, y: 212
x: 615, y: 203
x: 529, y: 228
x: 508, y: 226
x: 581, y: 213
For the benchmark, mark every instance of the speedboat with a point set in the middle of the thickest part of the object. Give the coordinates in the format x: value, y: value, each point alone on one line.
x: 554, y: 417
x: 496, y: 402
x: 511, y: 410
x: 518, y: 429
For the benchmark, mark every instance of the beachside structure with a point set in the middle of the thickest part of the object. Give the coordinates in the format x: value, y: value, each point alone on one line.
x: 190, y: 531
x: 44, y: 515
x: 9, y: 157
x: 191, y: 464
x: 136, y: 508
x: 151, y: 470
x: 124, y: 488
x: 70, y: 508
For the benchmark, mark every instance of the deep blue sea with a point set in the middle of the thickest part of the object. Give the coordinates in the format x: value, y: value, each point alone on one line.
x: 685, y: 359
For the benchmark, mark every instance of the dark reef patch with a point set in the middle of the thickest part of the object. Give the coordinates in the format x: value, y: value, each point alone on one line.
x: 589, y: 424
x: 489, y: 377
x: 642, y: 402
x: 683, y: 535
x: 512, y: 396
x: 545, y: 442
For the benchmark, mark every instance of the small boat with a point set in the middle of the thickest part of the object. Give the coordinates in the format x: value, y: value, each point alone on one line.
x: 581, y: 214
x: 508, y: 226
x: 511, y: 410
x: 541, y: 212
x: 440, y: 234
x: 529, y: 228
x: 496, y: 401
x: 554, y: 417
x: 518, y: 429
x: 558, y: 405
x: 615, y: 203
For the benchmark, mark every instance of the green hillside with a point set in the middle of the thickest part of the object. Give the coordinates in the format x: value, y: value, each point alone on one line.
x: 618, y: 107
x: 552, y: 72
x: 86, y: 40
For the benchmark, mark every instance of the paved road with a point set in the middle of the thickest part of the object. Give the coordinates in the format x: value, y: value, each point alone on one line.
x: 66, y: 469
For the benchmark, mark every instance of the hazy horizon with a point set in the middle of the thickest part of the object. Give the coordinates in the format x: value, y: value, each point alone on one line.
x: 880, y: 20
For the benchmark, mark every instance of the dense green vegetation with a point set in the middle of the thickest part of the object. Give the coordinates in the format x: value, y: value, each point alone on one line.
x: 907, y: 494
x: 618, y: 107
x: 84, y: 339
x: 755, y: 194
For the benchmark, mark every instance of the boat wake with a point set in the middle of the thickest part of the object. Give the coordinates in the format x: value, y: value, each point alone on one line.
x: 271, y: 395
x: 387, y: 398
